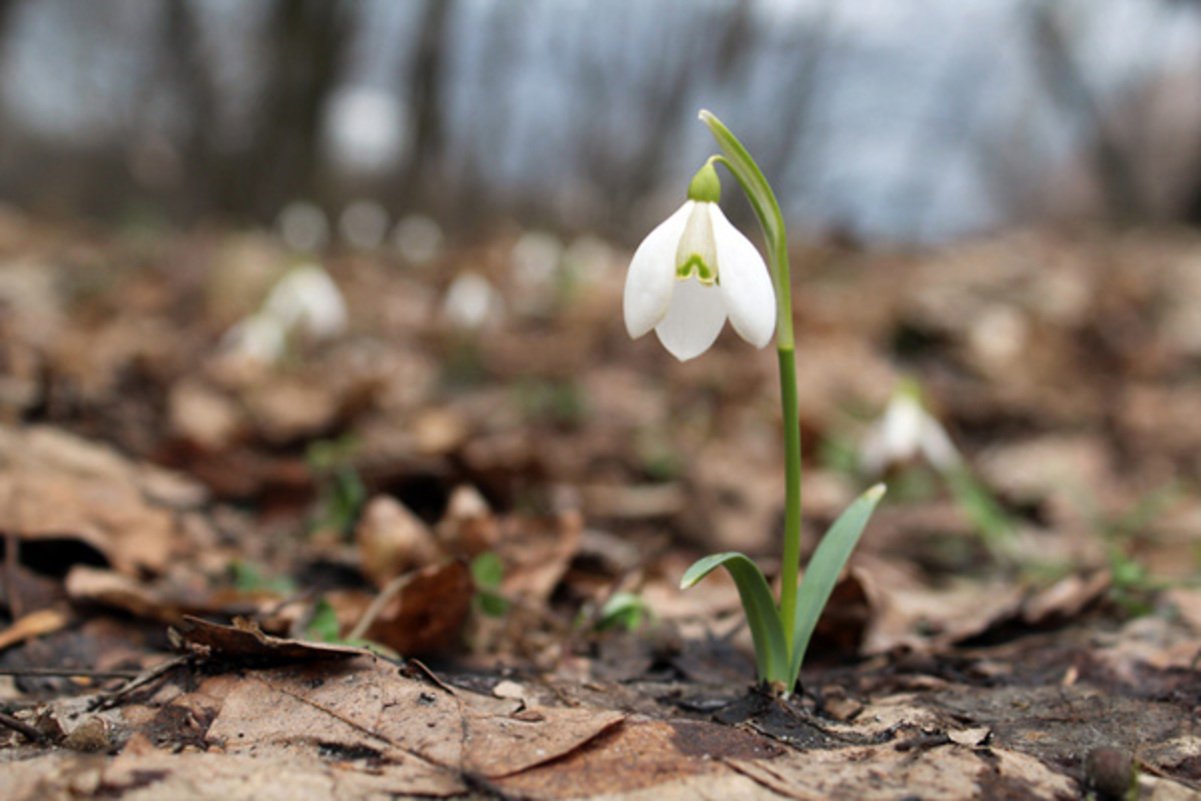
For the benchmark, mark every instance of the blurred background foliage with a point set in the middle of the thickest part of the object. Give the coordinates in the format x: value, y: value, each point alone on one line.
x: 877, y: 120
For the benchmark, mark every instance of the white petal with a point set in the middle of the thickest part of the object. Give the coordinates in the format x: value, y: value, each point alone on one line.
x: 745, y: 282
x: 902, y: 428
x: 697, y: 238
x: 873, y: 452
x: 693, y: 320
x: 652, y: 274
x: 936, y: 445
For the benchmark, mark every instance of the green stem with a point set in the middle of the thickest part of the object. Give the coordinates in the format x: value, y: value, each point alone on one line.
x: 790, y: 566
x: 767, y: 209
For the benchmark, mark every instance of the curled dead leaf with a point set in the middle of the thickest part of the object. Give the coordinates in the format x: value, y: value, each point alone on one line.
x: 392, y: 541
x: 468, y: 527
x: 245, y: 641
x: 421, y: 613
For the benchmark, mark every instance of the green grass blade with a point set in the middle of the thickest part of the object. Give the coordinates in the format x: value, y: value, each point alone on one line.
x: 823, y: 570
x: 771, y: 654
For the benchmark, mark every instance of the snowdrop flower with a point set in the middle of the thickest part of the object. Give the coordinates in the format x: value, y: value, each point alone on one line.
x: 471, y: 301
x: 303, y: 226
x: 418, y: 238
x: 258, y: 338
x: 692, y: 272
x: 306, y: 299
x: 906, y: 430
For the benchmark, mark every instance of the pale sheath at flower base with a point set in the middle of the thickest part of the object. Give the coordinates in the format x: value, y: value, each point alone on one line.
x: 692, y: 272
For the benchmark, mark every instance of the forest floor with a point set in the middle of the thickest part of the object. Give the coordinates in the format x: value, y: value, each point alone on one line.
x: 437, y: 555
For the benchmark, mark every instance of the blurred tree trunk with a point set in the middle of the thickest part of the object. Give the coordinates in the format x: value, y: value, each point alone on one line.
x: 306, y: 46
x: 421, y: 183
x: 304, y: 43
x: 188, y: 71
x: 1067, y: 87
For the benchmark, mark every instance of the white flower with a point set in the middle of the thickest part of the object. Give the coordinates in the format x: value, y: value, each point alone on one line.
x: 471, y: 301
x: 306, y: 299
x: 905, y: 431
x: 258, y: 338
x: 692, y: 272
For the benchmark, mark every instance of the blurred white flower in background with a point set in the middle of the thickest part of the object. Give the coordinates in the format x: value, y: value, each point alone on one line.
x: 536, y: 260
x: 305, y: 302
x: 258, y: 338
x: 471, y: 302
x: 303, y: 227
x: 417, y: 238
x: 365, y: 129
x: 363, y: 224
x: 589, y: 258
x: 904, y: 432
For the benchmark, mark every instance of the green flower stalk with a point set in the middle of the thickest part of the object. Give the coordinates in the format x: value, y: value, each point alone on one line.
x: 690, y: 273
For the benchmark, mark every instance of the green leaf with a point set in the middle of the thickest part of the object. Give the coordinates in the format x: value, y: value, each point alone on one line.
x: 771, y: 653
x: 487, y: 570
x: 249, y: 577
x: 749, y: 176
x: 623, y: 609
x: 324, y: 626
x: 823, y: 570
x: 492, y: 604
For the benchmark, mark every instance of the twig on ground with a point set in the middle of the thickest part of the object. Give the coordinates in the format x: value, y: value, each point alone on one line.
x: 106, y: 700
x: 70, y: 672
x: 22, y: 728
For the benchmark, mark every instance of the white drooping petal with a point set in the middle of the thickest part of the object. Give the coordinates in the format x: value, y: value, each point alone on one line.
x: 745, y: 282
x: 697, y: 238
x: 307, y: 299
x: 693, y: 321
x: 470, y: 301
x: 258, y: 338
x: 902, y: 426
x: 936, y: 445
x: 905, y: 431
x: 652, y: 275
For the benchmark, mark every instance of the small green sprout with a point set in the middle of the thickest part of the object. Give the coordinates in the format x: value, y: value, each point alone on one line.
x: 1133, y: 585
x: 341, y: 493
x: 249, y: 577
x: 692, y: 273
x: 624, y: 610
x: 488, y: 571
x: 323, y: 625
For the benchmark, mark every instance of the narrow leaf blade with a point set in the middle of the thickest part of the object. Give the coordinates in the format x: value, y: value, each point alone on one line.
x: 823, y: 570
x: 771, y: 654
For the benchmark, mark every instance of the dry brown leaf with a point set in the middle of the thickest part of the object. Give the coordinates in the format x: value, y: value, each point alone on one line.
x: 57, y: 487
x: 423, y: 612
x: 203, y: 416
x: 287, y: 408
x: 35, y: 624
x: 392, y: 541
x: 107, y: 588
x: 369, y: 704
x: 644, y: 754
x: 1065, y: 599
x: 269, y: 775
x: 907, y: 612
x: 164, y: 600
x: 946, y: 773
x: 536, y: 553
x: 245, y: 641
x: 468, y: 527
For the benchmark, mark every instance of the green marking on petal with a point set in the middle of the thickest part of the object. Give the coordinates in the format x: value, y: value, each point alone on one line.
x: 698, y: 267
